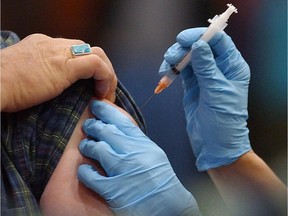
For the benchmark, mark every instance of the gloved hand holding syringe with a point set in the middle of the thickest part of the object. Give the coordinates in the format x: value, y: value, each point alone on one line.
x: 218, y: 23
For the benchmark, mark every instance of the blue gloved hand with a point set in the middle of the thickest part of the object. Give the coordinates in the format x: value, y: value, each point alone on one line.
x: 215, y: 97
x: 140, y: 179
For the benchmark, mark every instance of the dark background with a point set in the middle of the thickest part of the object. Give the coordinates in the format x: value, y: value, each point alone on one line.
x: 135, y: 35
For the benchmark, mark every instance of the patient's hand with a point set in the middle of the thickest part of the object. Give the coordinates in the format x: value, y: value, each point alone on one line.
x: 45, y: 67
x: 64, y: 194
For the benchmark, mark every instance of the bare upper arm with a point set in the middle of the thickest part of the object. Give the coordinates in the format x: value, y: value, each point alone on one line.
x: 64, y: 194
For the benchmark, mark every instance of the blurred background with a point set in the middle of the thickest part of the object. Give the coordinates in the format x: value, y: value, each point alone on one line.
x: 136, y: 34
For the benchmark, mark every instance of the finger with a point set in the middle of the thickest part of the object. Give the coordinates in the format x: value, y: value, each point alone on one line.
x: 92, y: 65
x: 112, y: 115
x: 204, y: 66
x: 103, y: 153
x: 109, y: 89
x: 101, y: 53
x: 187, y: 37
x: 98, y: 130
x: 94, y: 150
x: 92, y: 179
x: 175, y: 53
x: 164, y: 68
x: 191, y: 90
x: 220, y: 43
x: 229, y: 59
x: 110, y: 94
x: 224, y: 51
x: 172, y: 56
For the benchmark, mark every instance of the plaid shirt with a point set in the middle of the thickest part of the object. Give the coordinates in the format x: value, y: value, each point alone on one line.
x: 8, y: 38
x: 33, y: 140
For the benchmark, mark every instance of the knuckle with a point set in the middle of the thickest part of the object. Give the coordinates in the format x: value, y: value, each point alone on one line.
x: 38, y: 35
x: 77, y: 41
x: 99, y: 51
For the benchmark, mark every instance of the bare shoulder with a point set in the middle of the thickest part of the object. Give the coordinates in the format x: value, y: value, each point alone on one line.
x: 64, y: 194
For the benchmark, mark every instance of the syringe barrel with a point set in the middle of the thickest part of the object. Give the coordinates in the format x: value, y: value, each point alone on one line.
x: 184, y: 62
x: 169, y: 77
x: 211, y: 31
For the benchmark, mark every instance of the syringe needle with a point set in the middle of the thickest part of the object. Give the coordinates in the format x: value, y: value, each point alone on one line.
x: 147, y: 101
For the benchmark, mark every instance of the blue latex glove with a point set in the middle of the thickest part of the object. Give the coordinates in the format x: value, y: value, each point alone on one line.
x: 215, y: 97
x: 140, y: 179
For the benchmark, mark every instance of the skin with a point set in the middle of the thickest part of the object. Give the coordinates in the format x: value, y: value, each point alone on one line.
x: 44, y: 67
x: 64, y: 187
x: 64, y: 183
x: 248, y: 182
x: 39, y: 68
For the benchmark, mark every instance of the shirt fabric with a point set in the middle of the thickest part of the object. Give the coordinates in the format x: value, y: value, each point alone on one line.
x: 33, y: 141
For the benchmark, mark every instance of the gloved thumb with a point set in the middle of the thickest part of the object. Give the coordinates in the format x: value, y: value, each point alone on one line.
x: 204, y: 66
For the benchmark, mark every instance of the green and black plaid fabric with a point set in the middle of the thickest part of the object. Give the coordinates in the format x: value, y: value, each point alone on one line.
x: 8, y: 38
x: 33, y: 140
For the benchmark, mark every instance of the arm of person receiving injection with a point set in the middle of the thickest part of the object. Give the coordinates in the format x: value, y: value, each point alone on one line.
x: 216, y: 83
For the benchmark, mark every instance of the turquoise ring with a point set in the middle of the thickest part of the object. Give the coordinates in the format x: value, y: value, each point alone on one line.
x: 79, y: 50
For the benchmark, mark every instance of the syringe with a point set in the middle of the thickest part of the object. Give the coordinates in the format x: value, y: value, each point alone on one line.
x: 218, y: 23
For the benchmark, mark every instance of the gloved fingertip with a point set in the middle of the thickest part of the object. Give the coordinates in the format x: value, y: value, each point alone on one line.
x: 94, y: 106
x: 85, y: 167
x: 89, y: 176
x: 88, y: 122
x: 175, y: 53
x: 82, y: 168
x: 84, y: 172
x: 82, y: 145
x: 83, y: 142
x: 164, y: 68
x: 189, y: 36
x: 90, y: 126
x: 203, y: 62
x: 97, y: 107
